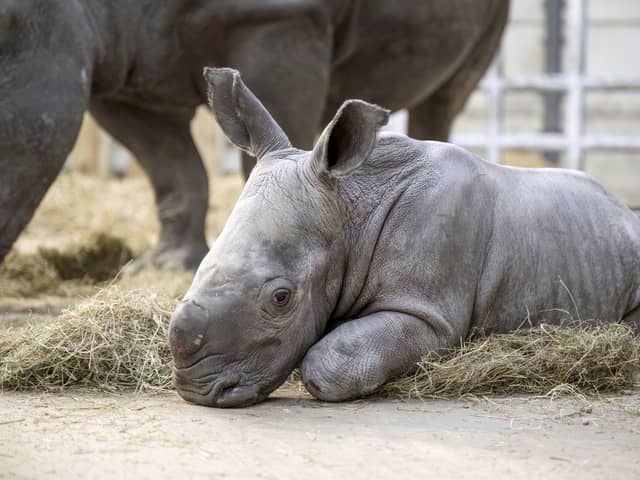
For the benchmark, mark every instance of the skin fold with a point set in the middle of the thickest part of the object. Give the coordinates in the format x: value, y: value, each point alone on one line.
x: 136, y: 66
x: 359, y: 257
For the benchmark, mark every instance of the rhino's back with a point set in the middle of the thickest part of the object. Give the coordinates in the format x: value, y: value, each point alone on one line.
x: 561, y: 246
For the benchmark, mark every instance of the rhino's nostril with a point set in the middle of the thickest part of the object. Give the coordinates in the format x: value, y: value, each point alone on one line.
x: 189, y: 324
x: 225, y: 383
x: 239, y: 396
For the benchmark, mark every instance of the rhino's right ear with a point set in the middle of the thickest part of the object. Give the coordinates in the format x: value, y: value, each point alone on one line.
x: 243, y: 119
x: 348, y: 140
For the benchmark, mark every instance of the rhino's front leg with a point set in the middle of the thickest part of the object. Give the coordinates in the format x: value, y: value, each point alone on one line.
x: 163, y: 145
x: 360, y: 355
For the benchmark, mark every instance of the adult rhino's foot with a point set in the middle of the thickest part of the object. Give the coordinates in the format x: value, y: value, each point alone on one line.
x: 183, y: 257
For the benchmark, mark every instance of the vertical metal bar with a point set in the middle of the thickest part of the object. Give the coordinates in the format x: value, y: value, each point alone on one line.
x: 575, y: 98
x: 114, y: 159
x: 554, y: 41
x: 104, y: 162
x: 494, y: 93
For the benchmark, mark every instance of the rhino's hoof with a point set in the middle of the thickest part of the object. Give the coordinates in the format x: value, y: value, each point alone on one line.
x: 183, y: 258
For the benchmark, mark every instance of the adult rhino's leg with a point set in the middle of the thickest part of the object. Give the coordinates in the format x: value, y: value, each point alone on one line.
x: 163, y: 145
x: 433, y: 117
x: 23, y: 182
x: 292, y: 80
x: 34, y: 143
x: 46, y: 58
x: 302, y: 123
x: 37, y: 132
x: 362, y: 354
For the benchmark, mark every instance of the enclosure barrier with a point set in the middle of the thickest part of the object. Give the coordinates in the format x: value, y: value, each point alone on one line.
x: 572, y: 84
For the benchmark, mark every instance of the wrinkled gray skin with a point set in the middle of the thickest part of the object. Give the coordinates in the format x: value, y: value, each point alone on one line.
x: 390, y: 248
x: 137, y: 66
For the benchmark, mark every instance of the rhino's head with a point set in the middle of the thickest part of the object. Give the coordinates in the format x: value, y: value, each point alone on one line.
x: 264, y: 293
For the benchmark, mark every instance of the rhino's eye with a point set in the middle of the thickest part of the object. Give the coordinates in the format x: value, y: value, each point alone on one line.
x: 280, y: 297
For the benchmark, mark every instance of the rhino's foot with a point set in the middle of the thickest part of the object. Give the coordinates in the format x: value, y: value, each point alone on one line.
x: 184, y: 257
x: 327, y: 371
x: 360, y: 355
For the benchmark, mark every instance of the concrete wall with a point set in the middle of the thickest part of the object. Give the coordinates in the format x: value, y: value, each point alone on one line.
x: 612, y: 39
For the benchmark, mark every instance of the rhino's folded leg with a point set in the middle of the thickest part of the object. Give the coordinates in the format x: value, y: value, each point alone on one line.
x: 360, y: 355
x: 163, y: 145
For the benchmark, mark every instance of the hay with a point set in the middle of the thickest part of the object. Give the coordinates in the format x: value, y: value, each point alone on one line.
x: 165, y: 282
x: 23, y: 275
x: 117, y: 340
x: 77, y: 203
x: 579, y: 359
x: 67, y: 271
x: 98, y: 258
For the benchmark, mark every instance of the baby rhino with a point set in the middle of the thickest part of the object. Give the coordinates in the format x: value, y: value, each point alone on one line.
x: 358, y: 258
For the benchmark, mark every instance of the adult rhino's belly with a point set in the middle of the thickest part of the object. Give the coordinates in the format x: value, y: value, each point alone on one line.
x: 561, y: 249
x: 403, y: 71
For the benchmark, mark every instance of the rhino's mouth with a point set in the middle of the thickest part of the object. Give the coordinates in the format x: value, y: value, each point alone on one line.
x: 224, y: 391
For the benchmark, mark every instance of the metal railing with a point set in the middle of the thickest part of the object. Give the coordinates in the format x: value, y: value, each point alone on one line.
x: 573, y: 84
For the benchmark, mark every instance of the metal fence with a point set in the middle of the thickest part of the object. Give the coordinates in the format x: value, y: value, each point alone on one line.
x: 573, y: 84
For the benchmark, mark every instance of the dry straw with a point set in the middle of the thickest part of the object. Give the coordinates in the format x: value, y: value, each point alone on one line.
x: 27, y: 275
x: 65, y: 272
x: 580, y: 359
x: 97, y: 258
x: 118, y: 340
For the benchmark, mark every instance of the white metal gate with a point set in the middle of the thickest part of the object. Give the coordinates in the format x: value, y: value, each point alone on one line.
x: 573, y: 84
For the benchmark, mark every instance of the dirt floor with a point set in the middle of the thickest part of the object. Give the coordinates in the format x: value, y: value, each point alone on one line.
x: 83, y: 435
x: 98, y: 435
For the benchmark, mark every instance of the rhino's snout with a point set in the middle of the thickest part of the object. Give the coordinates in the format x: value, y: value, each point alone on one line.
x: 203, y: 376
x: 187, y: 331
x: 225, y: 390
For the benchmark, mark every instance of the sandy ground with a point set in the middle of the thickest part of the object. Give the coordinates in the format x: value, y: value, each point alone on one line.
x: 155, y: 436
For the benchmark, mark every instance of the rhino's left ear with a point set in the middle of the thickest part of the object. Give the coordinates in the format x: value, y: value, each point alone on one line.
x: 242, y: 117
x: 348, y: 140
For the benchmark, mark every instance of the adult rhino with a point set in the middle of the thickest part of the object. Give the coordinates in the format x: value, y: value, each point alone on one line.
x: 358, y: 258
x: 137, y: 64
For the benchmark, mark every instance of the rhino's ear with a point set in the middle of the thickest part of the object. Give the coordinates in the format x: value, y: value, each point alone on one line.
x: 242, y: 117
x: 348, y: 140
